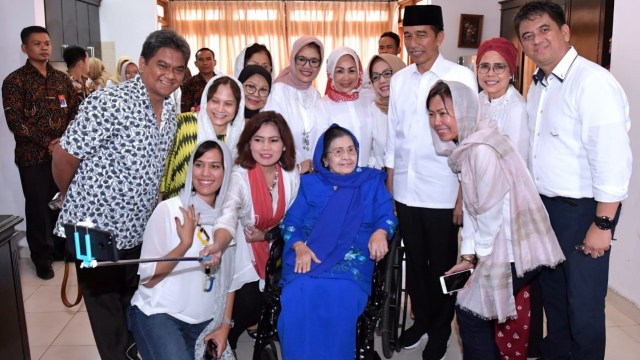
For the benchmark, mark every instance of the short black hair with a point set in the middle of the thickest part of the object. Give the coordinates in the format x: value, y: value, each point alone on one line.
x: 394, y: 36
x: 535, y: 9
x: 73, y: 54
x: 165, y: 39
x: 205, y: 49
x: 254, y: 49
x: 26, y: 32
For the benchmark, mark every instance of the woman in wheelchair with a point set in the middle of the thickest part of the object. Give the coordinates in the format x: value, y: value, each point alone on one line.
x: 505, y: 223
x: 336, y: 228
x: 175, y: 301
x: 262, y: 188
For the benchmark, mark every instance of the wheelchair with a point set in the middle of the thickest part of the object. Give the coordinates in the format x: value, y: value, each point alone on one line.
x: 386, y: 308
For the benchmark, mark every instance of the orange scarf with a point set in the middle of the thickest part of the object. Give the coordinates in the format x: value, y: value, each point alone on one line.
x: 263, y: 209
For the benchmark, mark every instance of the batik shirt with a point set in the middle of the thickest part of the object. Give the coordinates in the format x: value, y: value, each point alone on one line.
x: 83, y: 87
x: 192, y: 93
x: 122, y: 151
x: 38, y: 109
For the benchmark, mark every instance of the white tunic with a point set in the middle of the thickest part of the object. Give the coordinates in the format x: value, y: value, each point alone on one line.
x: 297, y: 107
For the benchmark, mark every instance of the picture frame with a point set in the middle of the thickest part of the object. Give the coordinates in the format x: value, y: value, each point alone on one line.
x: 470, y: 32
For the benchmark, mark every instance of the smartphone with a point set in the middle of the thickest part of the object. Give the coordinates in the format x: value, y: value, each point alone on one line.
x: 211, y: 351
x: 455, y: 282
x: 102, y: 242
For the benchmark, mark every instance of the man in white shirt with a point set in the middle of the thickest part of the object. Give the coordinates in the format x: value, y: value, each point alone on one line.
x: 425, y: 189
x: 580, y: 161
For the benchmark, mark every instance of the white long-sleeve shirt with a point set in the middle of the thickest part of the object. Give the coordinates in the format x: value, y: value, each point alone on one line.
x: 579, y: 121
x: 421, y: 178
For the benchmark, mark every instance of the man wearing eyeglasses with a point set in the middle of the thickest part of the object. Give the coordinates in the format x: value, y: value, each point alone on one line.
x: 425, y: 190
x: 192, y: 89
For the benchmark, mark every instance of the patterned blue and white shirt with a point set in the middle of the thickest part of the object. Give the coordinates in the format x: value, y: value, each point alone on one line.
x: 122, y: 152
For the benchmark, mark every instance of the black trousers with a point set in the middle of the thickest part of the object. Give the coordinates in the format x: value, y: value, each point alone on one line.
x: 431, y: 241
x: 107, y: 294
x: 247, y: 307
x: 39, y: 188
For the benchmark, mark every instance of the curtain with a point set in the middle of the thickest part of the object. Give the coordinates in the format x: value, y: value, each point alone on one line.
x: 228, y: 26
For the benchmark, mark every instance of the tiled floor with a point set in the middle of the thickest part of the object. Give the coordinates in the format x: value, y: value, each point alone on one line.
x: 57, y: 333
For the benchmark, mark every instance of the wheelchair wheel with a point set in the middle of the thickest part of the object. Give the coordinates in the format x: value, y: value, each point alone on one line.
x: 390, y: 326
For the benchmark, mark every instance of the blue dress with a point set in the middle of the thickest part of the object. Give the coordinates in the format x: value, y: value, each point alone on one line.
x: 320, y: 308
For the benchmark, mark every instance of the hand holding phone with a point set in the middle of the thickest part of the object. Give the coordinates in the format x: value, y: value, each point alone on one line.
x: 211, y: 350
x: 455, y: 282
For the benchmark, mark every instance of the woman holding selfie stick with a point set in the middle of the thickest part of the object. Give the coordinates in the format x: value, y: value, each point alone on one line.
x: 175, y: 301
x: 507, y: 236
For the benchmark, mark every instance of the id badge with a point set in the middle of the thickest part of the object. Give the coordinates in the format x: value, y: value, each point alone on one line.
x: 62, y: 100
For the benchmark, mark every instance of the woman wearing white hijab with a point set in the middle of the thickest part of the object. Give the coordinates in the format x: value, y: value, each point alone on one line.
x: 507, y: 235
x: 176, y: 301
x: 344, y: 103
x: 221, y: 116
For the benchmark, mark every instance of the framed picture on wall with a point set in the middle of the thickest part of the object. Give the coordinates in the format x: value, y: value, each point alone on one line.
x: 470, y: 32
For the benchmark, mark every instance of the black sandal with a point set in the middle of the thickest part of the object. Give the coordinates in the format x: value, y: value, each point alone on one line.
x: 252, y: 333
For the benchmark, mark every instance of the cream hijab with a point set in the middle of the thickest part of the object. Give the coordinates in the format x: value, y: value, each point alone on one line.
x: 234, y: 129
x: 396, y: 65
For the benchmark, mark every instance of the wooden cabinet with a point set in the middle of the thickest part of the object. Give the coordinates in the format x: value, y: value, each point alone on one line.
x: 590, y: 22
x: 14, y: 343
x: 73, y: 22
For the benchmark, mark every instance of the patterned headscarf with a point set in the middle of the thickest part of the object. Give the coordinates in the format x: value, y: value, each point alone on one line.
x: 331, y: 91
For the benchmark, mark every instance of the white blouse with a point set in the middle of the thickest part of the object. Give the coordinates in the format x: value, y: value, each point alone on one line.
x: 238, y: 213
x: 351, y: 115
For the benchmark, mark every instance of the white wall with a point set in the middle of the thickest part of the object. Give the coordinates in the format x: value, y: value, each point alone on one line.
x: 18, y: 15
x: 625, y: 54
x: 451, y: 11
x: 124, y: 25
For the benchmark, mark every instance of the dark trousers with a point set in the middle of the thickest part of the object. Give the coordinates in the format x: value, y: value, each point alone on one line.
x: 247, y: 307
x: 39, y: 188
x: 574, y: 292
x: 431, y: 241
x: 478, y: 335
x: 107, y: 294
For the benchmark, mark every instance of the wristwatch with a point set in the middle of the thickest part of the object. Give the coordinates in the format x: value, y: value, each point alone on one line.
x: 603, y: 222
x: 229, y: 322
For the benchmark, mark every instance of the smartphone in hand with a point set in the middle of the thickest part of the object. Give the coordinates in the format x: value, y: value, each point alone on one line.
x: 455, y: 282
x: 211, y: 351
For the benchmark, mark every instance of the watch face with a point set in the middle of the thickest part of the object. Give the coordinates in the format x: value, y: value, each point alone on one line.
x: 603, y: 222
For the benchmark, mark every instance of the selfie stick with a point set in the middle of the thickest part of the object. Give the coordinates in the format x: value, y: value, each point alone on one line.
x: 88, y: 261
x: 94, y: 264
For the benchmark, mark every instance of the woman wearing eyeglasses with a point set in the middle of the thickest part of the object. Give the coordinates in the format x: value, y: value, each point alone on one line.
x: 499, y: 100
x: 256, y: 81
x: 381, y: 68
x: 344, y: 103
x: 334, y: 232
x: 219, y: 117
x: 293, y: 96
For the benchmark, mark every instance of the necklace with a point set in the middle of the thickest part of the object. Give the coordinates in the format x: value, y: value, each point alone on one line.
x: 275, y: 181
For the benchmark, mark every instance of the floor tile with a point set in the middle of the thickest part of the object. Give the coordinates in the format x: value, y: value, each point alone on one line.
x: 67, y: 352
x: 617, y: 317
x: 28, y: 290
x: 43, y: 328
x: 47, y: 299
x: 633, y: 331
x: 37, y: 351
x: 620, y: 345
x: 77, y: 331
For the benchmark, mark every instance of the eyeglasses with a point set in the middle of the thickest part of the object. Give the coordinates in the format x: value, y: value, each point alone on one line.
x: 302, y: 61
x: 264, y: 65
x: 498, y: 68
x: 377, y: 76
x: 251, y: 89
x: 338, y: 152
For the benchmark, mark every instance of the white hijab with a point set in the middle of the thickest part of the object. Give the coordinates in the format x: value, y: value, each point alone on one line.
x: 234, y: 129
